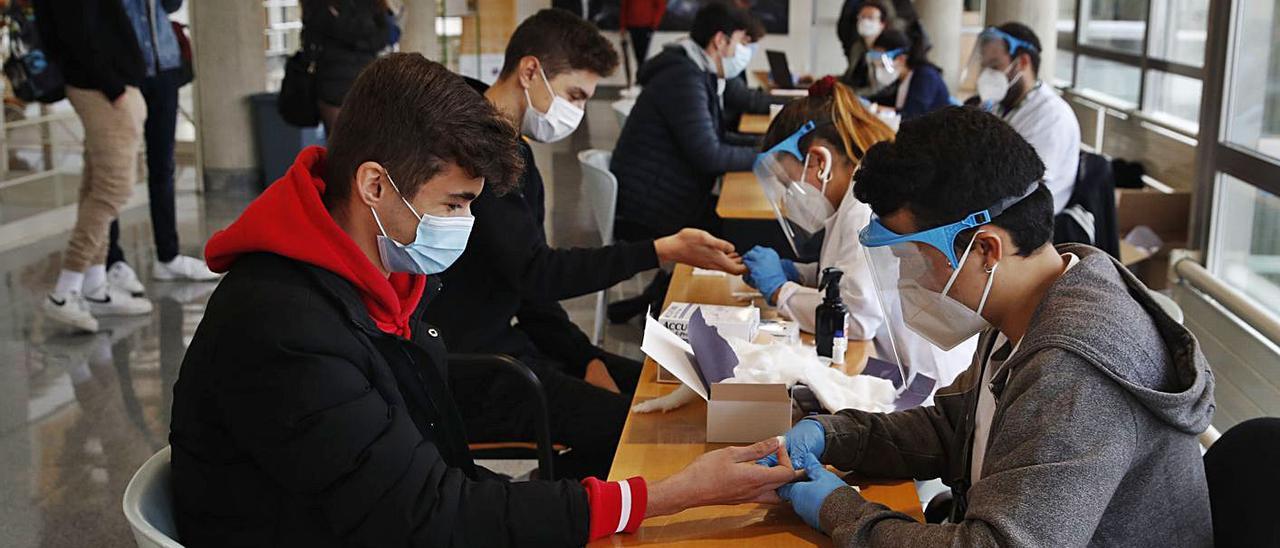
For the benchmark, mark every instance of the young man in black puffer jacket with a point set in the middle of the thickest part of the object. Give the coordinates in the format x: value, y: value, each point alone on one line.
x: 674, y: 144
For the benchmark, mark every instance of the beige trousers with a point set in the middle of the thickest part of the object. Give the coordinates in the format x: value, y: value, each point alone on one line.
x: 112, y: 136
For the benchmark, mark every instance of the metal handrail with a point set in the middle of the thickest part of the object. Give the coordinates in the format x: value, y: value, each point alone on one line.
x: 1234, y: 301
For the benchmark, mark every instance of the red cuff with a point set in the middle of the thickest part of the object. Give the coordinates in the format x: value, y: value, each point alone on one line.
x: 616, y: 506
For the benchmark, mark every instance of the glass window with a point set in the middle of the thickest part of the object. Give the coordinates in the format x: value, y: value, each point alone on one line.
x: 1115, y: 24
x: 1174, y: 96
x: 1117, y: 81
x: 1253, y: 104
x: 1064, y: 67
x: 1246, y: 242
x: 1066, y: 20
x: 1178, y: 31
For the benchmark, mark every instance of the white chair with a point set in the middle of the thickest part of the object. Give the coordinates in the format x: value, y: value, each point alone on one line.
x: 148, y: 504
x: 622, y: 109
x: 602, y: 196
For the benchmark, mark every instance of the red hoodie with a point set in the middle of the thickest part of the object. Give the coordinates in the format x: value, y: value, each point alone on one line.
x: 289, y: 219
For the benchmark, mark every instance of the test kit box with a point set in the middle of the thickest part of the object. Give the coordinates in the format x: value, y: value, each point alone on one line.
x: 741, y: 322
x: 747, y: 413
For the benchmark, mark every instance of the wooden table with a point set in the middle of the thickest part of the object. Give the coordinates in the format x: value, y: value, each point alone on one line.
x: 742, y: 198
x: 754, y: 124
x: 658, y: 445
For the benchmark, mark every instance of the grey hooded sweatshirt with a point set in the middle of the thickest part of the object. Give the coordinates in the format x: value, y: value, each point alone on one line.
x: 1093, y: 441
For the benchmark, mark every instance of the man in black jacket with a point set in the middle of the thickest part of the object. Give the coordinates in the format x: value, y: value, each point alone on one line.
x: 674, y: 145
x: 311, y: 408
x: 553, y: 63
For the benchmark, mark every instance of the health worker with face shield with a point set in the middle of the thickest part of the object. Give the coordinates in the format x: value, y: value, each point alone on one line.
x: 904, y: 79
x: 1077, y: 423
x: 1006, y: 64
x: 812, y: 150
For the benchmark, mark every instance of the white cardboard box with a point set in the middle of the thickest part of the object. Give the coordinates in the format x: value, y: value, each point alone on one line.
x: 731, y: 321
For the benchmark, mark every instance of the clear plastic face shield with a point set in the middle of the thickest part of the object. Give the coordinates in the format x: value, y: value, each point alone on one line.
x: 992, y: 67
x: 800, y: 207
x: 883, y: 71
x: 914, y: 274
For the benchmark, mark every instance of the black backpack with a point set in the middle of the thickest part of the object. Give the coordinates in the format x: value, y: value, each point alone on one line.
x: 297, y: 100
x: 31, y: 72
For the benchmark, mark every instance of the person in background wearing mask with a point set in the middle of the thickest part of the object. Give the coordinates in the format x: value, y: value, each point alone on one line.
x: 811, y: 151
x: 906, y: 81
x: 1007, y: 61
x: 872, y: 18
x: 312, y: 409
x: 1077, y: 423
x: 740, y: 98
x: 674, y: 144
x: 504, y: 290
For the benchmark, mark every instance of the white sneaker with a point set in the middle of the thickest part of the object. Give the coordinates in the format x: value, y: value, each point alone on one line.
x: 70, y: 309
x: 121, y: 276
x: 186, y: 268
x: 118, y: 303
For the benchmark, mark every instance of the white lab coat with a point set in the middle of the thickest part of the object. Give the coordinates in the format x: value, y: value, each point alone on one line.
x: 841, y: 249
x: 1046, y: 121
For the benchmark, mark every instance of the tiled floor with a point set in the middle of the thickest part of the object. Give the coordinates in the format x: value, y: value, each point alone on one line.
x: 80, y: 413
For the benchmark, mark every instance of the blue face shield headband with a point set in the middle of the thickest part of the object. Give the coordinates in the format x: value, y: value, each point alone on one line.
x: 885, y: 58
x: 943, y: 237
x: 1012, y: 43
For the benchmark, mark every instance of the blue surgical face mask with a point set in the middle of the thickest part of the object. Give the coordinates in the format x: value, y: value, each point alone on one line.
x: 438, y: 243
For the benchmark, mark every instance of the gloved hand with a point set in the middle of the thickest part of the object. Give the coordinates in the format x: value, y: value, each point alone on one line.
x: 807, y: 437
x: 766, y: 271
x: 807, y: 496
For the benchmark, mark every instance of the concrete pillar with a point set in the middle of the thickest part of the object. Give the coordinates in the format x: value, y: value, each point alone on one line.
x: 941, y: 20
x: 418, y: 21
x: 230, y: 65
x: 1040, y: 15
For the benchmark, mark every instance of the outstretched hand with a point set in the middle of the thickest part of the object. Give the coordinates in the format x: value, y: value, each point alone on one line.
x: 700, y: 249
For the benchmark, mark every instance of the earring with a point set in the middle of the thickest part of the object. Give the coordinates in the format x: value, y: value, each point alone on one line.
x: 989, y: 269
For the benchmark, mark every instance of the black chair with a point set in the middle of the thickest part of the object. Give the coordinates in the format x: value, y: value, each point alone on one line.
x: 1243, y: 472
x: 541, y: 446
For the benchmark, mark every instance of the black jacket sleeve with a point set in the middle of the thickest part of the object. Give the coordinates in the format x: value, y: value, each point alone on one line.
x: 694, y: 127
x: 741, y: 98
x: 513, y: 246
x: 354, y: 24
x: 308, y: 415
x: 549, y: 327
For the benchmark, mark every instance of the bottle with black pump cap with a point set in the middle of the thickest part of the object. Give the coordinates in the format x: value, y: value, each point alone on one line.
x: 831, y: 318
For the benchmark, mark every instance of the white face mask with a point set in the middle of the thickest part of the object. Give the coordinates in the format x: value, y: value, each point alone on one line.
x: 993, y: 85
x: 734, y: 65
x: 870, y: 28
x: 561, y: 118
x: 938, y: 318
x: 807, y: 206
x: 883, y: 76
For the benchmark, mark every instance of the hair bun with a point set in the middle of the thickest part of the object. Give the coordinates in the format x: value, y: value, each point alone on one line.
x: 823, y: 87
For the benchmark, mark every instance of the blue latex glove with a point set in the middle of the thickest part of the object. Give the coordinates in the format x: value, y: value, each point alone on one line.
x: 767, y: 271
x: 807, y: 496
x: 807, y: 437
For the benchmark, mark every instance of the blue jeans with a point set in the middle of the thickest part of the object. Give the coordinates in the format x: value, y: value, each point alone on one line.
x: 161, y: 94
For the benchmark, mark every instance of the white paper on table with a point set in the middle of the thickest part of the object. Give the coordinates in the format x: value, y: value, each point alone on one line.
x: 672, y: 353
x: 707, y: 272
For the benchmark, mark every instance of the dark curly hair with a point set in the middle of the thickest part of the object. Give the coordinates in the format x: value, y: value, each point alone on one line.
x: 952, y: 162
x: 562, y: 41
x: 413, y: 116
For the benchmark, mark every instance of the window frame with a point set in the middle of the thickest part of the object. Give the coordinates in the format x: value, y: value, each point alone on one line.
x: 1144, y: 62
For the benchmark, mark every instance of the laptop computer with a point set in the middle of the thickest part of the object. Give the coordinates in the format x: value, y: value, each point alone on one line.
x: 779, y: 71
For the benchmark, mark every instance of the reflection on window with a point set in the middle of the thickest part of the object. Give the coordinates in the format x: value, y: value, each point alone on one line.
x: 1114, y: 24
x: 1175, y: 96
x: 1064, y: 67
x: 1117, y: 81
x: 1246, y: 244
x: 1066, y: 18
x: 1178, y: 30
x: 1253, y: 108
